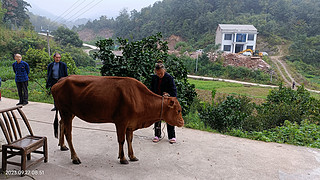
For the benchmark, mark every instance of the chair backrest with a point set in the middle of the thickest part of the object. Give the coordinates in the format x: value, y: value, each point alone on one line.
x: 9, y: 122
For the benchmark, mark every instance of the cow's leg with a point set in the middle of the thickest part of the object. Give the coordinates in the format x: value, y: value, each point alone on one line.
x: 129, y: 137
x: 121, y: 138
x: 66, y: 119
x: 63, y: 147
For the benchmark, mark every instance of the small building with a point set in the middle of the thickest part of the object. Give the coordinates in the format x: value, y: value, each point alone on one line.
x: 234, y: 38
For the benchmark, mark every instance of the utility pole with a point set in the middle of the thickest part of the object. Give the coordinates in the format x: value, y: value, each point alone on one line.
x: 198, y: 51
x: 48, y: 42
x: 271, y: 75
x: 197, y: 62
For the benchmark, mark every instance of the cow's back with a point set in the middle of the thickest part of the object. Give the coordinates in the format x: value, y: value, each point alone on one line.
x: 101, y: 98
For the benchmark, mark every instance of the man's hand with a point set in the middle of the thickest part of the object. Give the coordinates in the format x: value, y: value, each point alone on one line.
x: 166, y: 94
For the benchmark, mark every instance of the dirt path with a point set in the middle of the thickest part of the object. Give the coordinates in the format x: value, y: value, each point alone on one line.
x: 278, y: 62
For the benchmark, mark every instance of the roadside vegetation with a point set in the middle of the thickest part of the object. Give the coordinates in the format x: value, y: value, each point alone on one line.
x: 284, y: 116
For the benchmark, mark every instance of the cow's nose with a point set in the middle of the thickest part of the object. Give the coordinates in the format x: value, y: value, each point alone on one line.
x: 181, y: 122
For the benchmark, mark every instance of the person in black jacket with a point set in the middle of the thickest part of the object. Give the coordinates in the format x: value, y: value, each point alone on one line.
x: 55, y: 71
x: 163, y: 84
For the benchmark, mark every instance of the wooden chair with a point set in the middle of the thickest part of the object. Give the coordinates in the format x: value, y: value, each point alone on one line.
x: 19, y: 144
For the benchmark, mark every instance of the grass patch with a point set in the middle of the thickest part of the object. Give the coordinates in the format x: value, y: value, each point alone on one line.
x: 231, y: 88
x: 35, y: 88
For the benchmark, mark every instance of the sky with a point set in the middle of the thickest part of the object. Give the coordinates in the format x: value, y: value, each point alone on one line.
x: 90, y: 9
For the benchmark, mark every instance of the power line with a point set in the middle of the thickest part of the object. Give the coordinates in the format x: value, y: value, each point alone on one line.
x: 87, y: 10
x: 79, y: 11
x: 60, y: 16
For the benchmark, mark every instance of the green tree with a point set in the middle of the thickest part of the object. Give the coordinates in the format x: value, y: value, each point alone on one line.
x: 16, y: 12
x: 80, y: 58
x: 2, y: 13
x: 306, y: 49
x: 66, y: 36
x: 138, y: 59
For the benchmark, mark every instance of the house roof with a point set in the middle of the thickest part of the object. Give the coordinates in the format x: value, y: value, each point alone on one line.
x: 237, y: 27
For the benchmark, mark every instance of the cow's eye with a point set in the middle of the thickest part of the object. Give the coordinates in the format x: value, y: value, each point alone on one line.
x: 179, y: 111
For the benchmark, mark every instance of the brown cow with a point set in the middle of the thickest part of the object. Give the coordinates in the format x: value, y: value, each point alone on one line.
x: 124, y: 101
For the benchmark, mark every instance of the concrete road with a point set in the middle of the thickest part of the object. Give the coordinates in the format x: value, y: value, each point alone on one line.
x: 196, y: 155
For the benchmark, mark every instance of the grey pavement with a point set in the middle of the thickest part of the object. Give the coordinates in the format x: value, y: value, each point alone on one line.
x: 196, y: 155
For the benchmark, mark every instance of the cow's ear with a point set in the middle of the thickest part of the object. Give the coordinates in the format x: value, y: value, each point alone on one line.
x: 171, y: 103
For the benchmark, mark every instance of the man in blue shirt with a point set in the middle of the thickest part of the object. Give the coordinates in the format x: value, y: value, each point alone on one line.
x: 55, y: 71
x: 22, y: 70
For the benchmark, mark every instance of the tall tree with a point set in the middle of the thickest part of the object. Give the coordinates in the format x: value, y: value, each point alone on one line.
x: 16, y: 12
x: 2, y: 12
x: 65, y: 36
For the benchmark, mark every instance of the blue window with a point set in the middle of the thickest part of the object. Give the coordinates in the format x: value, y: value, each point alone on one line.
x: 250, y: 47
x: 241, y: 37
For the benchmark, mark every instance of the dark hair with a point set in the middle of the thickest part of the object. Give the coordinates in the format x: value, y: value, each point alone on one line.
x: 159, y: 65
x: 56, y: 53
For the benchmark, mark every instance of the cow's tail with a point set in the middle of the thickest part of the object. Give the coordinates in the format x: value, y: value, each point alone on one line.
x: 56, y: 125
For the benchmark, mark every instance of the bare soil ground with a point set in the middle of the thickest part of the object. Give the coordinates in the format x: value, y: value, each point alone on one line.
x: 233, y: 59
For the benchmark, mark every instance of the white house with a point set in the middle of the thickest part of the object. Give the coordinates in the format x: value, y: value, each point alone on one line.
x: 234, y: 38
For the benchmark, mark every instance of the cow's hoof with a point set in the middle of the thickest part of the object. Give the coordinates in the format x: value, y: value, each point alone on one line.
x: 76, y: 161
x: 134, y: 159
x: 64, y: 148
x: 124, y: 161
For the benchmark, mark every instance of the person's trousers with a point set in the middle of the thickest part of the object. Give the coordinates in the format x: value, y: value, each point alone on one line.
x: 170, y: 129
x: 22, y: 92
x: 54, y: 81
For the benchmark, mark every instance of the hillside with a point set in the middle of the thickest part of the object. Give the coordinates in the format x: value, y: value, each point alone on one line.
x: 88, y: 35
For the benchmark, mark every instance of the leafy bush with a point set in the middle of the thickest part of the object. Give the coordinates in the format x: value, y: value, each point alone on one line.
x: 230, y: 113
x: 287, y: 104
x: 38, y: 61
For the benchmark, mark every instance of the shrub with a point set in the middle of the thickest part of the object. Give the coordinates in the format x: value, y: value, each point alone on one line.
x: 230, y: 113
x: 286, y: 104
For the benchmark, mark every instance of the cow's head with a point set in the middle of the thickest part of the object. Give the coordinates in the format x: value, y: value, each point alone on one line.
x: 172, y: 112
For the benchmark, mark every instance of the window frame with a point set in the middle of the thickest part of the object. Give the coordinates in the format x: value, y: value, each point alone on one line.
x: 224, y: 48
x: 225, y: 35
x: 251, y: 35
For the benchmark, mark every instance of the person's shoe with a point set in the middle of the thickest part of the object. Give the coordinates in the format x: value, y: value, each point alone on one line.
x: 25, y: 103
x: 53, y: 109
x: 19, y: 104
x: 155, y: 139
x: 173, y: 140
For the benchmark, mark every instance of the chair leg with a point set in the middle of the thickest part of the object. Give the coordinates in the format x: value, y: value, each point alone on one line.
x: 4, y: 159
x: 23, y: 162
x: 29, y: 156
x: 45, y: 150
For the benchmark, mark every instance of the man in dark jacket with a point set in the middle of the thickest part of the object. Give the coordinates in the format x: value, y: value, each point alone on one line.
x: 22, y: 70
x: 55, y: 71
x: 163, y: 84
